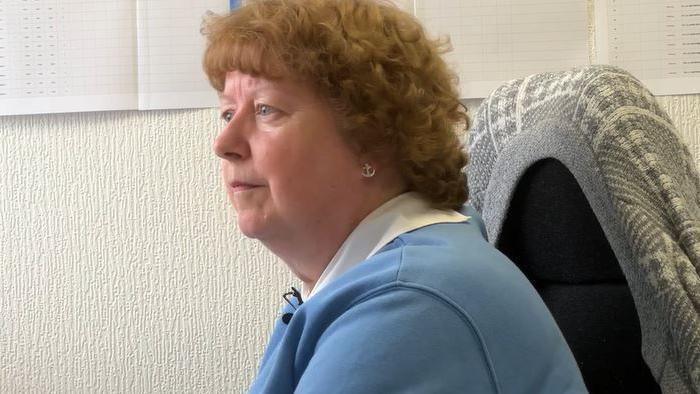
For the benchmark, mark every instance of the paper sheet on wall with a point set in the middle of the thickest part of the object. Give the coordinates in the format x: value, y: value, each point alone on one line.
x: 117, y: 55
x: 657, y: 41
x: 92, y: 55
x: 63, y: 56
x: 495, y: 41
x: 170, y: 49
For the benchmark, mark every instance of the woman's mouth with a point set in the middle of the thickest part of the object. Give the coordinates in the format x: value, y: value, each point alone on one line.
x: 237, y: 186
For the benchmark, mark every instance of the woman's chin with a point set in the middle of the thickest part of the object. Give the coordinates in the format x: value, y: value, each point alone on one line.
x: 251, y: 227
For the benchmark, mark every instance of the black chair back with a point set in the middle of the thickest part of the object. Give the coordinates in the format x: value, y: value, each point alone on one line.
x: 554, y: 237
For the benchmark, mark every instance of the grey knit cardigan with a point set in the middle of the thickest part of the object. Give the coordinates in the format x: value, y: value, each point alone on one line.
x: 639, y: 178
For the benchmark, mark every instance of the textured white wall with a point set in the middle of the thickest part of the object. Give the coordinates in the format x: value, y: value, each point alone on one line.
x: 121, y: 269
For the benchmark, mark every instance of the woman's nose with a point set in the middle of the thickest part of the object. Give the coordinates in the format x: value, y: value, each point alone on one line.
x: 232, y: 142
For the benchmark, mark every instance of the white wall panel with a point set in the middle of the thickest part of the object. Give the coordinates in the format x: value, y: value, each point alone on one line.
x: 122, y: 269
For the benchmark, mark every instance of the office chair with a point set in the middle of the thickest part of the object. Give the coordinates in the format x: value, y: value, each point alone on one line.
x: 582, y: 182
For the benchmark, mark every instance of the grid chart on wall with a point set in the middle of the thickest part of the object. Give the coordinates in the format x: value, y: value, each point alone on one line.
x: 170, y: 47
x: 498, y: 40
x: 80, y: 55
x: 85, y: 55
x: 58, y: 56
x: 657, y: 41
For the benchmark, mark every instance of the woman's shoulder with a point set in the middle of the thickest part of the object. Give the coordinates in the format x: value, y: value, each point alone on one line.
x: 451, y: 262
x: 442, y: 282
x: 447, y: 258
x: 454, y: 256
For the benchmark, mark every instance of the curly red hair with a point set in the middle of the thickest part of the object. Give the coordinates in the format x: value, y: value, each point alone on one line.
x: 393, y: 91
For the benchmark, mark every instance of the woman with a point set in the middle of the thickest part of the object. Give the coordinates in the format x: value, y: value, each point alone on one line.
x: 339, y: 155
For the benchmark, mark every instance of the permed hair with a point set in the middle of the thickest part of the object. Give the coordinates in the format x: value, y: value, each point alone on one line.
x: 394, y: 94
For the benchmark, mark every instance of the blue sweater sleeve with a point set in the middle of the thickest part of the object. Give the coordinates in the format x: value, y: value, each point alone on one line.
x: 397, y: 341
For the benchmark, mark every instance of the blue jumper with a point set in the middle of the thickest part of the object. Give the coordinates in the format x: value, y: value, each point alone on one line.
x: 437, y: 310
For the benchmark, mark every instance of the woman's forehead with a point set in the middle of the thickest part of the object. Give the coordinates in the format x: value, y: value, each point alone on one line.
x: 237, y: 81
x: 239, y: 84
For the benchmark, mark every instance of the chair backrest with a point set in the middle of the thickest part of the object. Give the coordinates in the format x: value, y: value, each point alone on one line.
x: 640, y: 181
x: 554, y: 237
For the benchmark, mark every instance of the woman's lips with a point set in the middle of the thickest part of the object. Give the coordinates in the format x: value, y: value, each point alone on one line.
x: 241, y: 186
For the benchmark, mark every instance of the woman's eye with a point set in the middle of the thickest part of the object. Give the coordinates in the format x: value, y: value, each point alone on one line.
x: 227, y: 116
x: 264, y: 109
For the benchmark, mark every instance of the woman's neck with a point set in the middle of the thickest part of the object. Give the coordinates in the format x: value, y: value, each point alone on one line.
x: 308, y: 253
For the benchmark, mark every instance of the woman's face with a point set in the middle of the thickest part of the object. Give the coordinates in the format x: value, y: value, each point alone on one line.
x: 285, y: 166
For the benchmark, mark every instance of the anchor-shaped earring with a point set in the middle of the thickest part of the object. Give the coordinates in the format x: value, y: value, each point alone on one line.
x: 367, y: 170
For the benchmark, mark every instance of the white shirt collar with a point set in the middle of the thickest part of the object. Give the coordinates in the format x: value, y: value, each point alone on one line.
x: 399, y: 215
